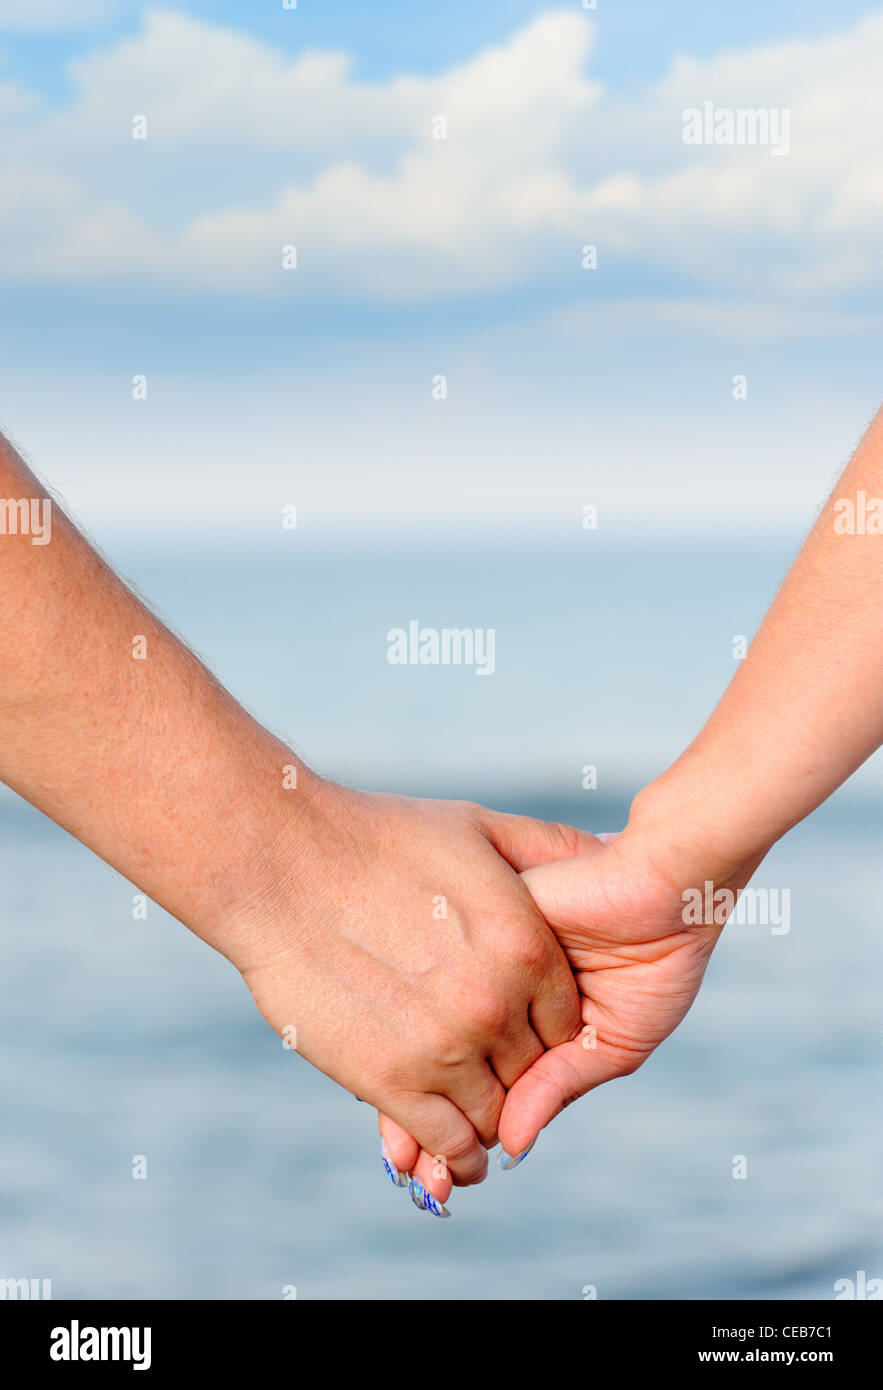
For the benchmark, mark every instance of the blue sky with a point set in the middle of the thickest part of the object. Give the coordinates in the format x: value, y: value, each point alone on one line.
x: 637, y: 40
x: 419, y: 257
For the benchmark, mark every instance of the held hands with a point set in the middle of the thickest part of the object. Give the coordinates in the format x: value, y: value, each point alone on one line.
x: 396, y: 947
x: 400, y: 953
x: 617, y: 914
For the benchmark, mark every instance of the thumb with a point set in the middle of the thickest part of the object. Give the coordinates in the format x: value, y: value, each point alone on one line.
x: 565, y: 895
x: 564, y: 892
x: 524, y: 842
x: 557, y: 1078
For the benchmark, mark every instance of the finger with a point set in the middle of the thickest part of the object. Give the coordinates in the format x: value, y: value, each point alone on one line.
x: 524, y: 842
x: 407, y: 1165
x: 569, y: 1069
x: 556, y: 1079
x: 565, y: 893
x: 476, y: 1091
x: 398, y: 1151
x: 407, y: 1157
x: 528, y: 844
x: 444, y: 1132
x: 554, y: 1010
x: 430, y: 1175
x: 512, y: 1056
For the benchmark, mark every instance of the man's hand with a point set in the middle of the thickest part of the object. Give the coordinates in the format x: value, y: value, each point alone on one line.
x: 390, y: 941
x: 397, y: 948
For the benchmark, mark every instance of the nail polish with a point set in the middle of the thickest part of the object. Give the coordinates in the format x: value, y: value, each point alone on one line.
x: 395, y: 1175
x: 424, y: 1200
x: 507, y: 1162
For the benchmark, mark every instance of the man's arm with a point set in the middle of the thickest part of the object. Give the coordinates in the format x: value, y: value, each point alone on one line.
x: 114, y: 729
x: 323, y: 897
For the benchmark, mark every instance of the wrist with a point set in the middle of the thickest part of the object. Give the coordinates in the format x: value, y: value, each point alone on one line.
x: 693, y: 833
x: 302, y: 839
x: 272, y: 825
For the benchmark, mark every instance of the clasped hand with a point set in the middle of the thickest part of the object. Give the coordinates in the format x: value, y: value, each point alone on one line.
x: 469, y: 973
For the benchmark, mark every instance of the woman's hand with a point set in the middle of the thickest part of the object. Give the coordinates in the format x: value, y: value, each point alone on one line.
x: 619, y: 916
x: 804, y: 710
x: 400, y: 953
x: 618, y: 913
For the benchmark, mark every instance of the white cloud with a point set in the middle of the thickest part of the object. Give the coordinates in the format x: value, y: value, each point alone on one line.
x: 747, y: 320
x: 204, y: 81
x: 52, y: 14
x: 248, y: 151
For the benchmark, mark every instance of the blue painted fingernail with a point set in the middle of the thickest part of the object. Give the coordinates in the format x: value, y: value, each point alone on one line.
x: 395, y: 1175
x: 433, y: 1205
x: 507, y: 1162
x: 424, y: 1200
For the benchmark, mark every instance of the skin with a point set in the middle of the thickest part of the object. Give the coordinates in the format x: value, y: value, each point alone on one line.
x: 322, y: 897
x: 319, y: 898
x: 803, y: 711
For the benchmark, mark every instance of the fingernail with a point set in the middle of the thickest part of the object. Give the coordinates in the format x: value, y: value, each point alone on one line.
x: 424, y: 1200
x: 507, y: 1162
x: 395, y: 1175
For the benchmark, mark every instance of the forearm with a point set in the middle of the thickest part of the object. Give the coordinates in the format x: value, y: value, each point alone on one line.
x: 113, y: 728
x: 805, y: 708
x: 324, y: 898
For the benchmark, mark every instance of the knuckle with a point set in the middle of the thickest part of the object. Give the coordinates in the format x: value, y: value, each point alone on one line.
x: 487, y: 1123
x: 567, y: 837
x: 487, y: 1011
x: 534, y: 950
x: 627, y: 1059
x: 459, y: 1148
x: 444, y: 1046
x: 528, y: 949
x: 385, y: 1085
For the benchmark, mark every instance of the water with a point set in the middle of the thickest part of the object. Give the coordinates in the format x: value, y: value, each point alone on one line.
x: 121, y: 1038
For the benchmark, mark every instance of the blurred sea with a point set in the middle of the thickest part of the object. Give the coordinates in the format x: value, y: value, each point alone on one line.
x: 121, y: 1038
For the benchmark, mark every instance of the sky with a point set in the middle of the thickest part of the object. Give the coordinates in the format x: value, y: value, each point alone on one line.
x: 421, y: 257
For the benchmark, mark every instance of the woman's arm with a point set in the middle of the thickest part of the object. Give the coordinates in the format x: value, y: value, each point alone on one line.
x: 805, y: 707
x: 803, y: 711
